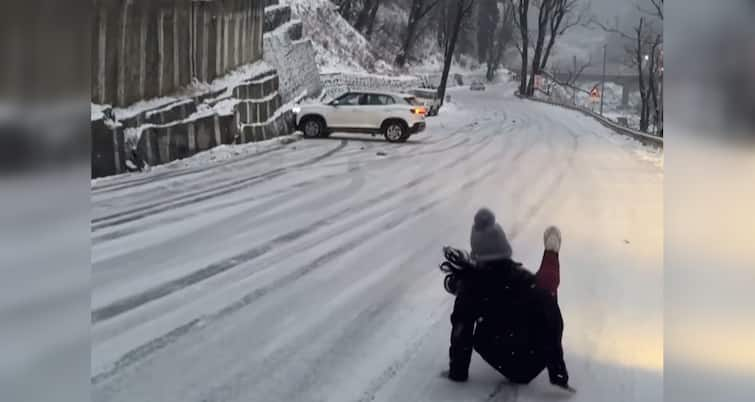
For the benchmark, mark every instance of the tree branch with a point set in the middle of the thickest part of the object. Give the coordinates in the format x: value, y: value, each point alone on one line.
x: 614, y: 29
x: 423, y: 13
x: 656, y: 11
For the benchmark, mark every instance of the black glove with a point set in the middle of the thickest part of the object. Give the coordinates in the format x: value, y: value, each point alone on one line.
x: 451, y: 283
x: 448, y: 268
x: 458, y: 257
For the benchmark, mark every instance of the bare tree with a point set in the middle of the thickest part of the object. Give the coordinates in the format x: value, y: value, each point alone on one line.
x: 555, y: 17
x: 564, y: 17
x: 504, y: 34
x: 655, y: 9
x: 571, y: 75
x: 639, y: 59
x: 522, y: 8
x: 545, y: 8
x: 642, y: 50
x: 653, y: 78
x: 460, y: 10
x: 655, y: 74
x: 363, y: 18
x: 344, y: 8
x: 418, y: 10
x: 372, y: 18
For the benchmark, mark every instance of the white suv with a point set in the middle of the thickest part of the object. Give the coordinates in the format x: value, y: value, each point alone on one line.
x: 397, y: 116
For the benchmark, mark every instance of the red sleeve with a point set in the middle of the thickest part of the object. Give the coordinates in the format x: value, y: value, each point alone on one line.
x: 548, y: 276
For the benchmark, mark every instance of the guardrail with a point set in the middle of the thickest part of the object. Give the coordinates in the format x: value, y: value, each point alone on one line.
x: 638, y: 135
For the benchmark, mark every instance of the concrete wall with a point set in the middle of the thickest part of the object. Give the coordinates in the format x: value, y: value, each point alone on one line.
x: 148, y: 48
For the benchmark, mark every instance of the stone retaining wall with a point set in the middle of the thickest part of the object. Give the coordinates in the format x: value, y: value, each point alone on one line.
x: 181, y: 128
x: 166, y: 143
x: 280, y: 124
x: 144, y: 49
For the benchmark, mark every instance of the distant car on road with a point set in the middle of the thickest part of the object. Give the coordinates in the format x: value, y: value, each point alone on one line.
x: 396, y: 116
x: 477, y: 86
x: 429, y: 97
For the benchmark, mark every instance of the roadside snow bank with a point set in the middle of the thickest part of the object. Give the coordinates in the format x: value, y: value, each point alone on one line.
x: 225, y: 152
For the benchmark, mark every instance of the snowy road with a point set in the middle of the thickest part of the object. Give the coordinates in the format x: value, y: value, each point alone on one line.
x: 309, y: 272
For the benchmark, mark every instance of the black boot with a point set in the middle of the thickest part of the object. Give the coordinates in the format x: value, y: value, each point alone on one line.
x: 458, y: 375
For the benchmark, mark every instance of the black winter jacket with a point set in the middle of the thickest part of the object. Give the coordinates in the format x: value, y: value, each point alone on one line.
x: 515, y: 327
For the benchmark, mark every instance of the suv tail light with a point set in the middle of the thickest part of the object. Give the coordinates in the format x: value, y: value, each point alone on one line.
x: 419, y: 110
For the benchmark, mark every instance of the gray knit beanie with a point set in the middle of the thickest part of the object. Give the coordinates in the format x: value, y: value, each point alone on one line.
x: 488, y: 240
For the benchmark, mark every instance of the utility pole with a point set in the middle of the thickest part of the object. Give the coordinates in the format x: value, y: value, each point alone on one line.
x: 603, y: 82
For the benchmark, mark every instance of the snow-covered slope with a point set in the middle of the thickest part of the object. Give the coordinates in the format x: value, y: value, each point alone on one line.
x: 339, y: 47
x: 342, y: 49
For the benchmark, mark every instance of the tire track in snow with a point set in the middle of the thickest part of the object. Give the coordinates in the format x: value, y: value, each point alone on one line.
x: 158, y: 343
x: 347, y: 325
x: 163, y: 290
x: 238, y: 163
x: 553, y: 186
x: 254, y: 159
x: 465, y: 141
x: 427, y: 206
x: 366, y: 146
x: 161, y: 342
x: 202, y: 195
x: 277, y: 196
x: 129, y: 303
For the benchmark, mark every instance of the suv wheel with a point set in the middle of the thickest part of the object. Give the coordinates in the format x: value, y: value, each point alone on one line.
x: 396, y: 131
x: 313, y: 127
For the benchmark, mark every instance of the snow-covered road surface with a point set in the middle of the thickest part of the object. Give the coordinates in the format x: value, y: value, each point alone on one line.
x: 309, y: 272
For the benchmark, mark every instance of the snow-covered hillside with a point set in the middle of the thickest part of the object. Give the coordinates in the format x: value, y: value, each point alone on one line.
x: 342, y: 49
x: 339, y: 47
